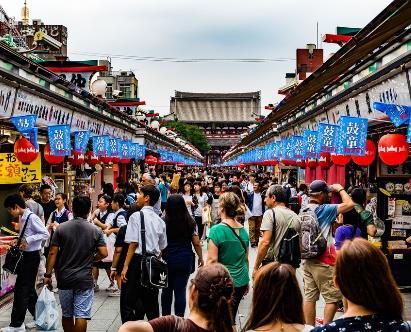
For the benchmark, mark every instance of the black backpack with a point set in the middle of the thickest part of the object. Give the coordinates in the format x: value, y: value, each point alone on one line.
x: 289, y: 251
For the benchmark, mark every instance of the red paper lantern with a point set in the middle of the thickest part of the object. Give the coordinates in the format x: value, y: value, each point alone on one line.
x: 51, y: 159
x: 180, y: 164
x: 106, y: 159
x: 393, y: 149
x: 151, y: 160
x: 115, y: 160
x: 273, y: 162
x: 325, y: 160
x: 24, y: 151
x: 340, y: 160
x: 125, y: 161
x: 368, y: 158
x: 301, y: 163
x: 241, y: 165
x: 311, y: 163
x: 76, y: 159
x: 91, y: 158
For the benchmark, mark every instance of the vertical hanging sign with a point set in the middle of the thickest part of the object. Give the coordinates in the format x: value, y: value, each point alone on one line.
x: 140, y: 152
x: 81, y: 139
x: 353, y: 135
x: 310, y: 144
x: 100, y: 145
x: 113, y: 147
x: 297, y: 147
x: 24, y: 123
x: 124, y: 150
x: 59, y: 138
x: 327, y: 138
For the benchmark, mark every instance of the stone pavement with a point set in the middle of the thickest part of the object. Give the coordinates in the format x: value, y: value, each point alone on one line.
x: 106, y: 310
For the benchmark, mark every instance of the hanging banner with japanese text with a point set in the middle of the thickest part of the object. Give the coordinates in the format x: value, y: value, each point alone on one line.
x: 409, y: 131
x: 281, y: 149
x: 100, y: 145
x: 140, y: 152
x: 398, y: 114
x: 125, y: 149
x: 259, y: 154
x: 353, y: 135
x: 288, y: 149
x: 113, y: 147
x: 132, y: 150
x: 59, y: 138
x: 13, y: 171
x: 24, y: 123
x: 81, y: 139
x: 327, y: 138
x: 32, y: 136
x: 310, y: 144
x: 297, y: 148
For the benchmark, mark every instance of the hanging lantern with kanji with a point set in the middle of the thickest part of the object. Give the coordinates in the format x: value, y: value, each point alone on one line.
x: 151, y: 160
x: 393, y: 149
x: 368, y: 158
x: 51, y: 159
x: 311, y: 162
x: 91, y: 159
x: 76, y: 158
x: 301, y: 163
x: 25, y: 151
x: 125, y: 161
x: 115, y: 159
x: 106, y: 159
x: 340, y: 160
x: 325, y: 160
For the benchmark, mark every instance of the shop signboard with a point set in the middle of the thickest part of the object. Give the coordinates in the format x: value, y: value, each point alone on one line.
x: 13, y: 171
x: 48, y: 113
x: 113, y: 131
x: 7, y: 95
x: 402, y: 222
x: 83, y: 122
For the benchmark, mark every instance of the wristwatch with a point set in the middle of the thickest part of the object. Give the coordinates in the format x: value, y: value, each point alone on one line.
x: 47, y: 275
x: 113, y: 269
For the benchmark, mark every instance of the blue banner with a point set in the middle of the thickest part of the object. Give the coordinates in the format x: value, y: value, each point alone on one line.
x: 398, y: 114
x: 100, y: 145
x: 353, y: 135
x: 113, y: 147
x: 81, y: 139
x: 281, y: 149
x: 259, y: 154
x: 24, y: 123
x: 132, y: 150
x: 297, y: 147
x: 409, y: 131
x: 327, y: 138
x: 310, y: 144
x: 59, y: 139
x: 288, y: 149
x: 32, y: 136
x: 140, y: 152
x: 125, y: 150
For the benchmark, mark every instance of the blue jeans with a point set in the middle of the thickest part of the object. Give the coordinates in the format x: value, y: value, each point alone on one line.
x: 178, y: 275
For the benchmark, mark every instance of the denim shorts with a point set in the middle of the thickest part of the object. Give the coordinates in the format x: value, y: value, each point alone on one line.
x: 76, y: 302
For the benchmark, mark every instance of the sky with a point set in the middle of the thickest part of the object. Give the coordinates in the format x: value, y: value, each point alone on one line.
x: 188, y: 29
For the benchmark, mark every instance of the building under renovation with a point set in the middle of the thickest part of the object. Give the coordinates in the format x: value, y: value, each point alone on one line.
x: 222, y: 116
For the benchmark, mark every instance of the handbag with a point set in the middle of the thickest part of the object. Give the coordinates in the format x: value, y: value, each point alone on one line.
x: 154, y: 271
x: 14, y: 256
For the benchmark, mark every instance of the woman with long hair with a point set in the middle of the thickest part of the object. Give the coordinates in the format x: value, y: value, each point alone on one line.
x: 200, y: 199
x: 228, y: 244
x: 277, y: 303
x: 209, y: 298
x: 364, y: 278
x: 188, y: 197
x: 181, y: 233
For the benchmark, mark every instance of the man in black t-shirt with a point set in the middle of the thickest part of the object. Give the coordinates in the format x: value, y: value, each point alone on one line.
x: 45, y: 201
x: 78, y: 243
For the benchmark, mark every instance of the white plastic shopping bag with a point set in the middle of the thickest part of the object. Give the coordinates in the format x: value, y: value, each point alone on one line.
x: 47, y: 315
x: 110, y: 241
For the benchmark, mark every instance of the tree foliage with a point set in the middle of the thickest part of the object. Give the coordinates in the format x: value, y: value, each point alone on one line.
x: 191, y: 133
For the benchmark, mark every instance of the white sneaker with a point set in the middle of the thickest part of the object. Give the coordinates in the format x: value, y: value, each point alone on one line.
x: 22, y: 328
x: 111, y: 288
x: 31, y: 325
x: 115, y: 293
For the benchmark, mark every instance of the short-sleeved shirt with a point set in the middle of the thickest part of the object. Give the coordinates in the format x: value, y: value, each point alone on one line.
x: 345, y: 232
x: 163, y: 191
x: 362, y: 323
x: 283, y: 218
x: 174, y: 324
x: 156, y: 237
x: 120, y: 221
x: 326, y: 215
x: 120, y: 243
x: 231, y: 252
x: 78, y: 241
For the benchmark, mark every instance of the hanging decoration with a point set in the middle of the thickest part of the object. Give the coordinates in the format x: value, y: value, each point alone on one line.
x: 327, y: 137
x: 352, y: 136
x: 59, y: 138
x: 340, y: 160
x: 32, y: 136
x: 51, y: 159
x: 140, y: 152
x: 393, y: 149
x: 310, y: 144
x: 301, y: 163
x: 106, y: 159
x: 369, y: 156
x: 24, y: 123
x: 398, y: 114
x: 24, y: 151
x: 151, y: 160
x: 297, y: 147
x: 311, y: 162
x: 76, y: 159
x: 100, y: 145
x: 325, y: 160
x: 81, y: 139
x: 91, y: 159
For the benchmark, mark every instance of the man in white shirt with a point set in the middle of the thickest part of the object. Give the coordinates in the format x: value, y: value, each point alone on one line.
x: 256, y: 205
x: 137, y: 301
x: 25, y: 296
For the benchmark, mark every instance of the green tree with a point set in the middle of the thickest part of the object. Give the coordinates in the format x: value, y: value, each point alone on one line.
x: 192, y: 134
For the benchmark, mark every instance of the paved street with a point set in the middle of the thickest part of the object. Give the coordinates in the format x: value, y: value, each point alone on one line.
x: 106, y: 310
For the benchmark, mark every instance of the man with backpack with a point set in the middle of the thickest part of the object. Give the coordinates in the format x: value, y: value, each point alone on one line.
x: 317, y: 248
x: 277, y: 221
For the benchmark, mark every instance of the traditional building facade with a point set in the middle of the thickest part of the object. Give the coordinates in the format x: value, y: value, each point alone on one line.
x: 222, y: 117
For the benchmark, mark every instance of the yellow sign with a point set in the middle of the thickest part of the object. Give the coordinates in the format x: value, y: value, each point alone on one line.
x: 13, y: 171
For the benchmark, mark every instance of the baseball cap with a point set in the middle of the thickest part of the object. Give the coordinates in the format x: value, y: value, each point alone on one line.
x: 319, y: 186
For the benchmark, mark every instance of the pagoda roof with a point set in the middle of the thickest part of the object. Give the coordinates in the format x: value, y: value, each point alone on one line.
x: 218, y: 96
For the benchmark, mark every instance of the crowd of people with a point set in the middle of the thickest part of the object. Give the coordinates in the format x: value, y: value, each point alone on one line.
x: 178, y: 214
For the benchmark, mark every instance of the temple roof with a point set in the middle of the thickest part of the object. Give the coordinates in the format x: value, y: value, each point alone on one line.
x: 207, y: 95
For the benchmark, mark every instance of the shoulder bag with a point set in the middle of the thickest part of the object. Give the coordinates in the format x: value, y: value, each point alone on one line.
x: 14, y: 256
x: 154, y: 271
x: 237, y: 236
